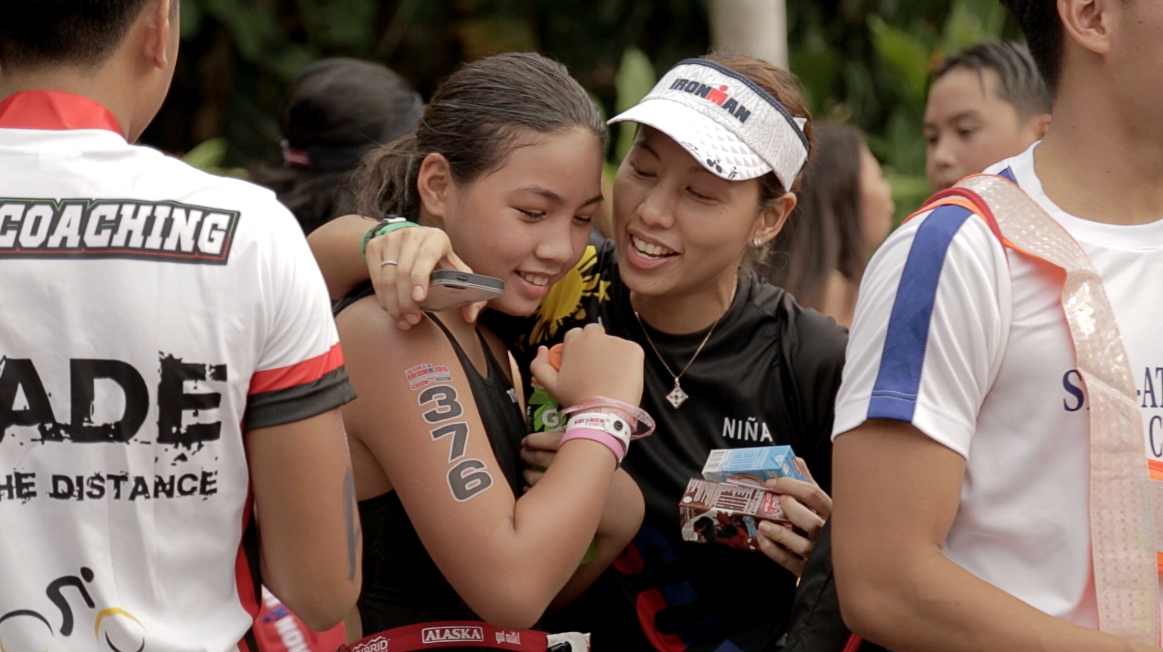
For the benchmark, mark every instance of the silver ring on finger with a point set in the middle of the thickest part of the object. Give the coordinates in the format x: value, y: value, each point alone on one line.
x: 389, y: 262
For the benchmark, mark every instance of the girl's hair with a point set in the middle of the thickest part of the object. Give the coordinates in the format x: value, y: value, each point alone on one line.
x: 782, y: 85
x: 475, y: 119
x: 824, y: 232
x: 335, y: 105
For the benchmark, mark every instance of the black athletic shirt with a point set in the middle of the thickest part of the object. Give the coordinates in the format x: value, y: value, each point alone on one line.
x: 401, y: 583
x: 767, y: 376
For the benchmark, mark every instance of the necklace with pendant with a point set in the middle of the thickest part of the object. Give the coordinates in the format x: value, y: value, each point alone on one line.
x: 677, y: 396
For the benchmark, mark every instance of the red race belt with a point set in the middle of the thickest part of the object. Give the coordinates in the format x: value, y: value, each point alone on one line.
x: 468, y: 633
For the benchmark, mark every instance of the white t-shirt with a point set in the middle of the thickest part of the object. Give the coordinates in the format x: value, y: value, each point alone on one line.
x: 146, y: 311
x: 973, y: 349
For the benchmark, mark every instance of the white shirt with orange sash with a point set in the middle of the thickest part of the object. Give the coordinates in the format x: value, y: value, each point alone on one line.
x: 973, y: 349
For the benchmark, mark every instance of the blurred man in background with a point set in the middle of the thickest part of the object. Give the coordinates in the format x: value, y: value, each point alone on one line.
x: 985, y: 105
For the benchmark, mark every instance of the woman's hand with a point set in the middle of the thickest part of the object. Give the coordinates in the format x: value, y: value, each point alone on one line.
x: 538, y: 451
x: 807, y: 507
x: 592, y: 364
x: 403, y: 286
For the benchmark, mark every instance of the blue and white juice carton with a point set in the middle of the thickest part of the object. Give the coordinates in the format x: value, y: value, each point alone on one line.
x: 752, y: 466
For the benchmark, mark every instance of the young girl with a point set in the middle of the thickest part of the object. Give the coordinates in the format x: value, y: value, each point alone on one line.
x: 506, y: 163
x: 731, y: 361
x: 845, y: 211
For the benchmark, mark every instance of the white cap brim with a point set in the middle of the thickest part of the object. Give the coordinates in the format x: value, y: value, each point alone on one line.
x: 718, y: 150
x: 731, y: 125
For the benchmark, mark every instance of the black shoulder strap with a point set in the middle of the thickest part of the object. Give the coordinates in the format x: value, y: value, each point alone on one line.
x: 362, y: 290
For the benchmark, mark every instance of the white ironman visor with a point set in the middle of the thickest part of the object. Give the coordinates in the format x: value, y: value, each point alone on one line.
x: 734, y: 128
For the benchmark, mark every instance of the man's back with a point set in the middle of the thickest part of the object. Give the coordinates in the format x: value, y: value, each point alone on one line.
x: 1006, y: 392
x: 994, y: 496
x: 150, y: 313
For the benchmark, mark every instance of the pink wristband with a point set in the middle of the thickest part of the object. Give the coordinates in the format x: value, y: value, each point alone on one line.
x: 593, y: 434
x: 638, y: 418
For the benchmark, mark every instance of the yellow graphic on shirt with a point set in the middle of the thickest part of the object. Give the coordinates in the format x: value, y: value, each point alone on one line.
x: 114, y: 611
x: 68, y: 620
x: 566, y: 299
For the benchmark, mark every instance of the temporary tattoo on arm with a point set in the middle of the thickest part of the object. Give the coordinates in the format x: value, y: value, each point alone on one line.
x: 447, y: 407
x: 354, y: 531
x: 424, y: 375
x: 468, y: 477
x: 459, y: 432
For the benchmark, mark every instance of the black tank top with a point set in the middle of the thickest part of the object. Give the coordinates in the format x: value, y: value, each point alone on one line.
x: 401, y: 583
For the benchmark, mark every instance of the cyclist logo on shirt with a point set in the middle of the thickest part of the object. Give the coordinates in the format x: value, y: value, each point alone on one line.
x: 119, y: 629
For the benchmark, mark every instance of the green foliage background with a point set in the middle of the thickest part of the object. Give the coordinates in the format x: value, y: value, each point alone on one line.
x: 866, y: 62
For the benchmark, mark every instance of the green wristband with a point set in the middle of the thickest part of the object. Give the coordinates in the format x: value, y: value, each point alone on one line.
x: 383, y: 227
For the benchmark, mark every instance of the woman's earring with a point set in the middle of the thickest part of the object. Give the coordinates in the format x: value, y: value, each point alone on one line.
x: 757, y: 242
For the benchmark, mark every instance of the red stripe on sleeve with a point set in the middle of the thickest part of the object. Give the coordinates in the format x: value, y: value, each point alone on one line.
x: 307, y: 371
x: 243, y: 573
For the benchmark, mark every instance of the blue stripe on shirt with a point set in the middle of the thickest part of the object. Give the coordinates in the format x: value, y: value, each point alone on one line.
x: 894, y: 396
x: 1009, y: 174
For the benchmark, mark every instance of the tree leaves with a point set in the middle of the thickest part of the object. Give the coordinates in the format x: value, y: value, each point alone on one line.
x: 972, y: 22
x: 862, y: 61
x: 636, y: 77
x: 869, y: 62
x: 904, y: 54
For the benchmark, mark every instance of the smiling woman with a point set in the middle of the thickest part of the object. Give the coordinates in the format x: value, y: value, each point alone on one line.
x: 708, y: 183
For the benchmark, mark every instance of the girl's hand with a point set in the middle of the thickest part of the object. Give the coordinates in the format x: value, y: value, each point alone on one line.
x: 807, y: 507
x: 592, y: 364
x: 403, y: 286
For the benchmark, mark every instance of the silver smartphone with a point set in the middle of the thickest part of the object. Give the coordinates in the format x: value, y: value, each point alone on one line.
x: 449, y: 289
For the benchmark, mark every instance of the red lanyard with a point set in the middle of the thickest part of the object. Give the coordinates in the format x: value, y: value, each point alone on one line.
x: 475, y: 634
